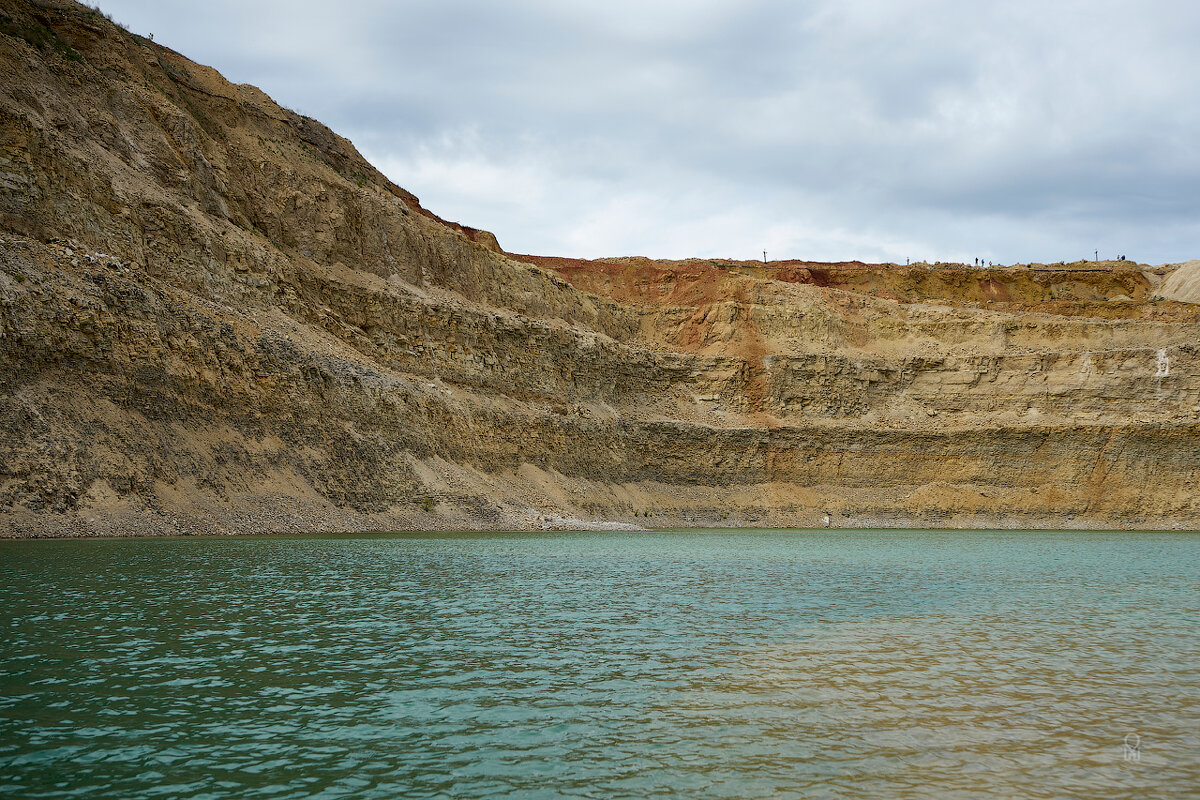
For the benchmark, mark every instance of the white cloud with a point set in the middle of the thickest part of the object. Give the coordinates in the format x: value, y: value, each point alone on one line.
x: 826, y: 129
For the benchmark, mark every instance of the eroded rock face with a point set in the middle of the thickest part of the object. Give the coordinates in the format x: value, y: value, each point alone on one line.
x: 216, y: 316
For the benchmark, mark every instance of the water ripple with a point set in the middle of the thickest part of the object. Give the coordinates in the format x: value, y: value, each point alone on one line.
x: 706, y: 665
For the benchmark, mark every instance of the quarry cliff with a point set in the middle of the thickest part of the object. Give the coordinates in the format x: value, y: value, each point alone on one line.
x: 216, y: 316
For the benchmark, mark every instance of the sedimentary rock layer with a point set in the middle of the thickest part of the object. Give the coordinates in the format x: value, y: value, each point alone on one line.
x: 215, y: 315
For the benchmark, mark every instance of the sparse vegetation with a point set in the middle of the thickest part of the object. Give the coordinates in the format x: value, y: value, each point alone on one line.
x: 175, y: 72
x: 94, y: 11
x: 312, y: 153
x: 39, y: 36
x: 427, y: 504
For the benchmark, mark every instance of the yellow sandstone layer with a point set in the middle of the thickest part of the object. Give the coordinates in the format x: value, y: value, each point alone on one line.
x: 216, y: 316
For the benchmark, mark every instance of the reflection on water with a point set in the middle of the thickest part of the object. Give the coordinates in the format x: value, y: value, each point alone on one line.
x: 706, y: 665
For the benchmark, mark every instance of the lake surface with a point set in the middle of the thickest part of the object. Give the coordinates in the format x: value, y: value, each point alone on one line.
x: 701, y: 665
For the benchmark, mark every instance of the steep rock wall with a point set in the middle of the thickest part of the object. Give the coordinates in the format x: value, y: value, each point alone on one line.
x: 216, y: 316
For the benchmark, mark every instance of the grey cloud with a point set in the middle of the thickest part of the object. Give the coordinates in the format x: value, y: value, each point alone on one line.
x: 1019, y: 127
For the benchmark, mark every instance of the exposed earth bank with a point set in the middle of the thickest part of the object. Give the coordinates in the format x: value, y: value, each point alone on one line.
x: 216, y: 316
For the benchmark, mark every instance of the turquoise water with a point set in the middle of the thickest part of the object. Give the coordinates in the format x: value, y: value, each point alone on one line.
x: 606, y: 665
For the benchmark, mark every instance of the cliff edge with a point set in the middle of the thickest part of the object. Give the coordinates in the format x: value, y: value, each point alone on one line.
x: 216, y: 316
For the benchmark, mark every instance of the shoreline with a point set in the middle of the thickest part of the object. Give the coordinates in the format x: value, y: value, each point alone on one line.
x: 143, y: 526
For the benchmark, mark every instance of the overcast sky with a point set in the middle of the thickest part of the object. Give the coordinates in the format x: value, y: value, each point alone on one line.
x: 819, y: 129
